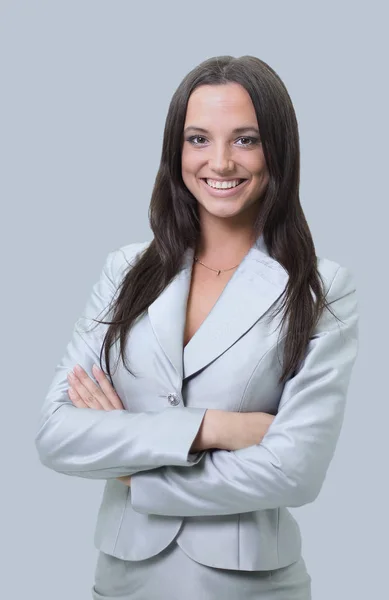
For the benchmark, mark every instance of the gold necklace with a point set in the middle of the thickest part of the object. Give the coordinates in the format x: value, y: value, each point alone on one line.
x: 217, y: 271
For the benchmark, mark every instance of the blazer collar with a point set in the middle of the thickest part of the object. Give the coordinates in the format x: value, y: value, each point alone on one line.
x: 255, y: 285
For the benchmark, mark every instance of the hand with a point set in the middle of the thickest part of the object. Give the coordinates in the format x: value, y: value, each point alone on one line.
x: 84, y: 393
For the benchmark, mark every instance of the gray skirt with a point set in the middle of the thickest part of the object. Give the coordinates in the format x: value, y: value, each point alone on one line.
x: 172, y: 575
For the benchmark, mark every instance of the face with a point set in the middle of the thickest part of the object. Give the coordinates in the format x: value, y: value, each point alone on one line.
x: 221, y: 141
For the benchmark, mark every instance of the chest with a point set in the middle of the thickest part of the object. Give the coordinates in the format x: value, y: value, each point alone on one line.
x: 230, y: 360
x: 205, y: 289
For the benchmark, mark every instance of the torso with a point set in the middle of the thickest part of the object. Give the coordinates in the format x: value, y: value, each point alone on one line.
x: 205, y: 289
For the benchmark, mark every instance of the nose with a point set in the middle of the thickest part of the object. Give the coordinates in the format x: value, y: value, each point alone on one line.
x: 220, y: 161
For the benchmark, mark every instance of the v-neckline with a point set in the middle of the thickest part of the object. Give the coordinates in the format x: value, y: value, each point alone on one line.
x: 213, y: 308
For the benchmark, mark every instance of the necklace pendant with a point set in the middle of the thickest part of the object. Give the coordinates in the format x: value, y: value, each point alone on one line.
x: 218, y: 272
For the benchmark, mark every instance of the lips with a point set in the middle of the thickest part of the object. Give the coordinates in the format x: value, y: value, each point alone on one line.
x: 224, y: 192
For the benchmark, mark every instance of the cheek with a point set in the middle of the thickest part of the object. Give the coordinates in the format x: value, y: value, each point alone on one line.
x: 188, y: 161
x: 256, y: 163
x: 260, y: 170
x: 261, y: 175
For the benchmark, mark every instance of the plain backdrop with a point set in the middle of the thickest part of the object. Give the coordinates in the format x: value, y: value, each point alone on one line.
x: 84, y: 91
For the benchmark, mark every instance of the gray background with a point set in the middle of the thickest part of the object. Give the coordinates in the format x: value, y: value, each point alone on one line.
x: 85, y: 87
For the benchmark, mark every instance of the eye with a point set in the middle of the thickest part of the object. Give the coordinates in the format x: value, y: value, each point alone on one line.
x: 252, y: 141
x: 193, y: 137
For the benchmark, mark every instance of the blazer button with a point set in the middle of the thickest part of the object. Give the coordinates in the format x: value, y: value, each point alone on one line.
x: 173, y: 399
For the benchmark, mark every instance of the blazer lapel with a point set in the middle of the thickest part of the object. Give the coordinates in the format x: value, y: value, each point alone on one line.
x: 255, y: 285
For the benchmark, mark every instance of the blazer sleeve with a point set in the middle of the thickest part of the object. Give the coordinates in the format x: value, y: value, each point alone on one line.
x: 288, y: 467
x: 99, y: 444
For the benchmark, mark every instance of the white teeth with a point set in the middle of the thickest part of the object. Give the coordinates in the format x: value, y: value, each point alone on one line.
x: 223, y: 184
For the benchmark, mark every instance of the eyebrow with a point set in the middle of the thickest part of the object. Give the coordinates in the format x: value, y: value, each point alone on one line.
x: 235, y: 131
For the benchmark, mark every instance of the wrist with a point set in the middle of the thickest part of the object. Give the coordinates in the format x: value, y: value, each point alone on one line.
x: 207, y: 435
x: 219, y: 428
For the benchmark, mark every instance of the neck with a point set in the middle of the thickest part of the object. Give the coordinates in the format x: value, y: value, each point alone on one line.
x: 223, y: 248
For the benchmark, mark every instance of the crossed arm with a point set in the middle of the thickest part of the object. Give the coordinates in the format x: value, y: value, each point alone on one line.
x: 287, y: 468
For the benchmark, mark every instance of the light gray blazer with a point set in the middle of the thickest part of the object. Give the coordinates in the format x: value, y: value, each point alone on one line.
x: 229, y: 508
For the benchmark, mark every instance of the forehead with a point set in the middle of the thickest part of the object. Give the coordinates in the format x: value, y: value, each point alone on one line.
x: 212, y: 103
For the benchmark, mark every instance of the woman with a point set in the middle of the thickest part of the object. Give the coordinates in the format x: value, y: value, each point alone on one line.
x: 212, y: 423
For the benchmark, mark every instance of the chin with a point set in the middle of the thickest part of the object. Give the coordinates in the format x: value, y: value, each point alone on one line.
x: 222, y: 212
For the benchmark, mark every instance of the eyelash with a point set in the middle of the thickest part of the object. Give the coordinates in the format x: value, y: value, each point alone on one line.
x: 254, y: 140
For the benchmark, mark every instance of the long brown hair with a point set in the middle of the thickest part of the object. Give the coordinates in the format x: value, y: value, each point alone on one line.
x: 173, y: 211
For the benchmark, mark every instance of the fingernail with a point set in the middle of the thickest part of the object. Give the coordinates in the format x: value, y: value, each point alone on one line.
x: 96, y: 368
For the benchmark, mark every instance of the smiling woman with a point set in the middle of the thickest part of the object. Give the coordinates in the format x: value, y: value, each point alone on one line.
x: 235, y: 345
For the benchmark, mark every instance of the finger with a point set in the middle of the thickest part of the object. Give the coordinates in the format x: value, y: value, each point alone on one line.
x: 107, y: 388
x: 76, y: 399
x: 88, y: 390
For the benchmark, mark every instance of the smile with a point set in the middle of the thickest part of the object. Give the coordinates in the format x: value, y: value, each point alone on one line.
x: 223, y: 189
x: 223, y: 184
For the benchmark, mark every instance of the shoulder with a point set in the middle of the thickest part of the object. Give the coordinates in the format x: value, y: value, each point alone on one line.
x: 341, y: 294
x: 129, y: 252
x: 119, y: 259
x: 338, y: 279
